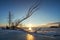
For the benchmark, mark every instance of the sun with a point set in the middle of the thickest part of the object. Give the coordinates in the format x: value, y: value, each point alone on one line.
x: 30, y: 28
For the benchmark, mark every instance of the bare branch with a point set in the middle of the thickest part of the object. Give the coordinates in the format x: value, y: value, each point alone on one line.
x: 31, y: 10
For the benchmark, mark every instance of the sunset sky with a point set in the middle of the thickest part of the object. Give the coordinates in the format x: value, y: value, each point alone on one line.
x: 49, y: 11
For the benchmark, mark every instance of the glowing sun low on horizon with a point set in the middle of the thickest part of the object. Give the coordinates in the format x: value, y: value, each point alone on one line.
x: 30, y: 26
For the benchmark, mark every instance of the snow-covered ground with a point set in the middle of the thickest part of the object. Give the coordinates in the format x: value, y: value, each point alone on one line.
x: 50, y: 31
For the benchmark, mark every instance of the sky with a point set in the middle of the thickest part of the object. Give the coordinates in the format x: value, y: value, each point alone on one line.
x: 49, y: 11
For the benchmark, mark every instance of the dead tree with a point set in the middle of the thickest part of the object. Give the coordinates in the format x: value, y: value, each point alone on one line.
x: 31, y: 10
x: 10, y: 19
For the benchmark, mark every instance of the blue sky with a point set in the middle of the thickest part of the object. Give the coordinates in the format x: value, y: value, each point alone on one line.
x: 49, y: 11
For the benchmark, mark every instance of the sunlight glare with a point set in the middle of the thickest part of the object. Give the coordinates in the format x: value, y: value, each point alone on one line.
x: 30, y: 37
x: 30, y: 28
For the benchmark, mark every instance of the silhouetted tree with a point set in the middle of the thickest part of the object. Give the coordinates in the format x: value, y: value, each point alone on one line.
x: 10, y: 19
x: 31, y: 10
